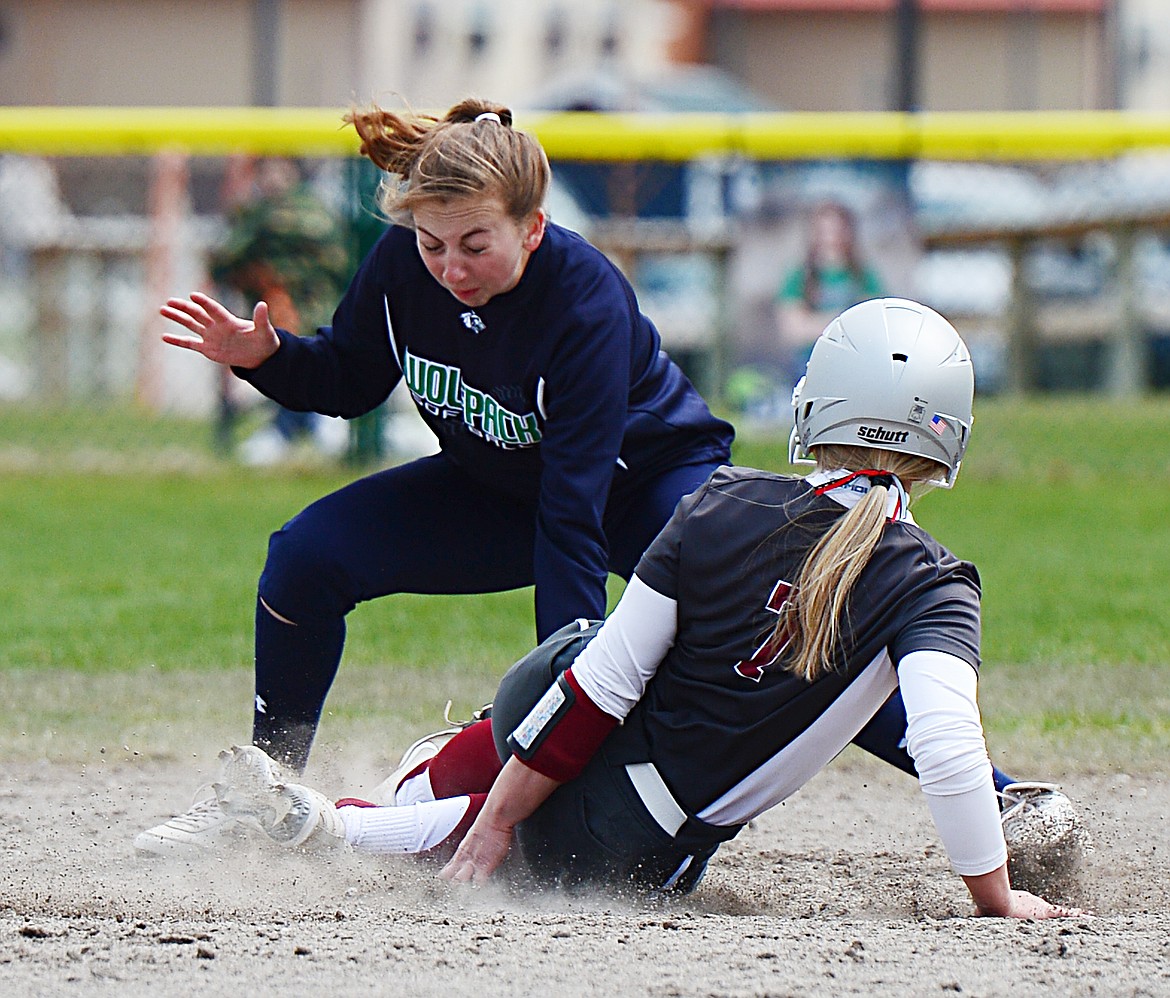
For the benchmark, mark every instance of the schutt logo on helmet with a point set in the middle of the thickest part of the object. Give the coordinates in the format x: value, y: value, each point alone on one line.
x: 879, y: 434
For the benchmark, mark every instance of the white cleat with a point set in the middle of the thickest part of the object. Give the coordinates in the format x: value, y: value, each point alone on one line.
x: 197, y: 832
x: 252, y: 791
x: 425, y: 749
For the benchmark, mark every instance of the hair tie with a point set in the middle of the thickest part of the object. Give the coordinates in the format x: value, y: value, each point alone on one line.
x: 897, y: 501
x: 488, y: 116
x: 884, y: 478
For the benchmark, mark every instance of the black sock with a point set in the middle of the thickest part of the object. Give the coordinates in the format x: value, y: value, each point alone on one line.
x: 295, y: 666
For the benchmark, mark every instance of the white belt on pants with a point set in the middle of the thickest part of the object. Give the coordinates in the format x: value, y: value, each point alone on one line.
x: 656, y: 796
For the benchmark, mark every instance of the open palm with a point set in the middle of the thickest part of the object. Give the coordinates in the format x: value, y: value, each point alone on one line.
x: 221, y: 335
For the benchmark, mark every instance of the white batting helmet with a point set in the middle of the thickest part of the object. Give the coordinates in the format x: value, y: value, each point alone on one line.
x: 887, y: 373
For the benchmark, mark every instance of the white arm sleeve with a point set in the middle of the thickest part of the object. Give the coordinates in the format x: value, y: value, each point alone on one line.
x: 944, y: 736
x: 616, y: 665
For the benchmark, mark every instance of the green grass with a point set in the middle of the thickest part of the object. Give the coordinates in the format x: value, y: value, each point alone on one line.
x: 114, y: 571
x: 129, y: 554
x: 1062, y: 505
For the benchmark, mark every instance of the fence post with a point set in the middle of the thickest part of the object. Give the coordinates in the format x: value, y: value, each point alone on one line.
x: 51, y: 351
x: 1020, y: 375
x: 168, y: 200
x: 715, y: 390
x: 1125, y: 374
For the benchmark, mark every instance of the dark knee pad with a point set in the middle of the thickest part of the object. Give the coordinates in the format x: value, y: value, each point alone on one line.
x: 529, y: 679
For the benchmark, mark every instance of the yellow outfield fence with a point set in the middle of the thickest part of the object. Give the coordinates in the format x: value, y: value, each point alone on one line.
x: 216, y: 131
x: 1044, y: 236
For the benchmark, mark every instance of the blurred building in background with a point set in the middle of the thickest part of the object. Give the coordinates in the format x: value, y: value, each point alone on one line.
x: 706, y: 242
x: 850, y: 55
x: 315, y: 53
x: 812, y: 55
x: 1143, y: 54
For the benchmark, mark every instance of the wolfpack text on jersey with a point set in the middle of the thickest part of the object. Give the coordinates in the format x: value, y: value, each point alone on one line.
x: 440, y: 390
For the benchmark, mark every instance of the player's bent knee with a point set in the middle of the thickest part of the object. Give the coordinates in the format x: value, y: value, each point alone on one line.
x: 273, y: 613
x: 302, y: 580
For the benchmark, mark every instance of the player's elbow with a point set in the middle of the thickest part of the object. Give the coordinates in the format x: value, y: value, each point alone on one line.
x: 950, y: 758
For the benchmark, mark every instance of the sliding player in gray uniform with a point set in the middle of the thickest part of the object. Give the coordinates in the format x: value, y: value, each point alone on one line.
x: 762, y: 629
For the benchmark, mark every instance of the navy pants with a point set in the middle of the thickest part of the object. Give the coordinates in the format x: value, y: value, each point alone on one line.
x: 421, y: 527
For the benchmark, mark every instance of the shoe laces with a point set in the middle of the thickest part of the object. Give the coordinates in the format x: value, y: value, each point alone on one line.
x: 476, y: 715
x: 203, y: 813
x: 1017, y: 795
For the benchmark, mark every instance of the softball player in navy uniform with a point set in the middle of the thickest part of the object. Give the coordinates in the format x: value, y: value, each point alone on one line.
x: 567, y: 436
x: 763, y: 628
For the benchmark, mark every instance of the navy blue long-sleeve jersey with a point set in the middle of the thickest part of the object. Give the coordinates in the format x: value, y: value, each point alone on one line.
x: 556, y: 392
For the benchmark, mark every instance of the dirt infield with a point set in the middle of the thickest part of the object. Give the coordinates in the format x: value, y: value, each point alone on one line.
x: 842, y: 891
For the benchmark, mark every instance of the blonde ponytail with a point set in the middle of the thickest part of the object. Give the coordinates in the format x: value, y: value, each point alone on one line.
x: 815, y: 620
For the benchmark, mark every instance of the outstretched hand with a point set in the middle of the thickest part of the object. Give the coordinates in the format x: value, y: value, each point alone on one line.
x: 221, y: 335
x: 517, y: 792
x: 995, y: 897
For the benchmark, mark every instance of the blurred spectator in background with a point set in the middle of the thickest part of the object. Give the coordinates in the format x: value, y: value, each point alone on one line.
x: 286, y: 247
x: 831, y: 278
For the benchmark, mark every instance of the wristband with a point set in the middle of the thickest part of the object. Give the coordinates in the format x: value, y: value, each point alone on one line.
x: 562, y: 732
